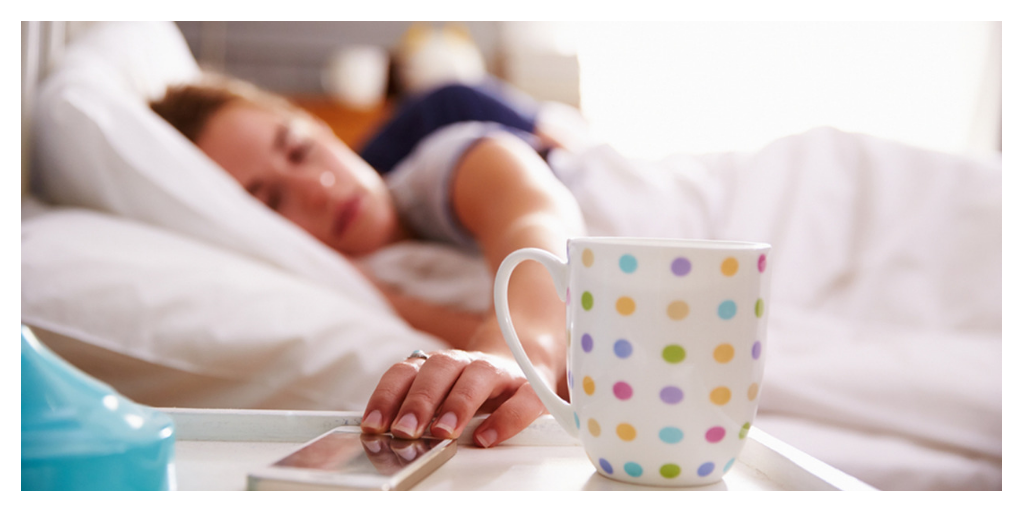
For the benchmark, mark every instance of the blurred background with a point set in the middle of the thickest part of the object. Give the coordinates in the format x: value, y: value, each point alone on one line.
x: 650, y: 88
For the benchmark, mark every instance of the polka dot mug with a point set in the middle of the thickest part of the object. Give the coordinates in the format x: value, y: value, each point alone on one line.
x: 666, y: 352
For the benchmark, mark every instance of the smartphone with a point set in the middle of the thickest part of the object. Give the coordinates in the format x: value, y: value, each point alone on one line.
x: 347, y: 459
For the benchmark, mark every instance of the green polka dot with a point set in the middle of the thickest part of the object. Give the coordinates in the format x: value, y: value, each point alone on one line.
x: 759, y: 308
x: 673, y: 354
x: 587, y: 301
x: 669, y: 471
x: 744, y: 430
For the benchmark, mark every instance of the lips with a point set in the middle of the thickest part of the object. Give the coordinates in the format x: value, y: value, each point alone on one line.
x: 345, y: 214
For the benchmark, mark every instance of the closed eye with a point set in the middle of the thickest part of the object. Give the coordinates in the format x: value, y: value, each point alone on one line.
x: 297, y: 153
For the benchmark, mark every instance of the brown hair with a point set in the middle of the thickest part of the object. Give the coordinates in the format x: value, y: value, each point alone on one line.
x: 188, y: 107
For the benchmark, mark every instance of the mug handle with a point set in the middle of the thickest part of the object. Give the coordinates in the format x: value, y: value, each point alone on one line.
x: 559, y: 271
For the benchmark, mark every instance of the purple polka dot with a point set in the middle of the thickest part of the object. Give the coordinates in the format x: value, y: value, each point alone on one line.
x: 587, y: 343
x: 622, y: 390
x: 605, y: 465
x: 762, y: 262
x: 706, y: 469
x: 715, y: 434
x: 681, y: 266
x: 671, y: 395
x: 756, y: 350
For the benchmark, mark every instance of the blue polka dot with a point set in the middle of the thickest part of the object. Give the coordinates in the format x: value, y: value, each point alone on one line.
x: 627, y: 263
x: 670, y: 435
x: 605, y: 465
x: 706, y: 469
x: 623, y: 349
x: 577, y: 418
x: 728, y: 465
x: 587, y: 343
x: 727, y: 309
x: 633, y: 469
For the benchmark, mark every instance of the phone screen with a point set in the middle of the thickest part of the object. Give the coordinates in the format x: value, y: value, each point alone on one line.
x: 357, y: 453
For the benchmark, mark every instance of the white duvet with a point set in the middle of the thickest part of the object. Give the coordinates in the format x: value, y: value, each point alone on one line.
x: 885, y: 332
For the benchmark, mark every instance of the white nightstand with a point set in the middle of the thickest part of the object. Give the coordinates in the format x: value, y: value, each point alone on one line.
x: 216, y: 449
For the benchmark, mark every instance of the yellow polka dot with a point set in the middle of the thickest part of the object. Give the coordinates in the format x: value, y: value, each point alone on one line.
x: 752, y: 391
x: 588, y: 385
x: 625, y: 306
x: 730, y: 266
x: 593, y: 427
x: 626, y: 432
x: 724, y: 352
x: 588, y: 257
x: 720, y: 395
x: 677, y: 310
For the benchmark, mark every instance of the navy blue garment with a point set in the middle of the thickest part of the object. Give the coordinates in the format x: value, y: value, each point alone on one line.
x: 420, y: 116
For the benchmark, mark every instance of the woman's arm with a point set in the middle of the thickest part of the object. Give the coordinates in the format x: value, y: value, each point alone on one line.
x: 507, y: 197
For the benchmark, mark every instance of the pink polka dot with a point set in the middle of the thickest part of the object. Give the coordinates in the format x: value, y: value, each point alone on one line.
x: 622, y: 390
x: 762, y: 262
x: 714, y: 434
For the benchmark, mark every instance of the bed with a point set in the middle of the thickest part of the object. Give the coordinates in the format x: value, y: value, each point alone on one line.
x: 147, y: 267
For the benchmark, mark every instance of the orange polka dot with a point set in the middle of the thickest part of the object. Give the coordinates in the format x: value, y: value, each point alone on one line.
x: 588, y: 257
x: 730, y: 266
x: 625, y: 431
x: 721, y: 395
x: 625, y: 306
x: 588, y: 385
x: 678, y: 310
x: 752, y: 391
x: 594, y: 427
x: 724, y: 353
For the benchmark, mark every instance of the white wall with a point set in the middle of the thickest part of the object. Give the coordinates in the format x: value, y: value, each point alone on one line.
x: 654, y: 89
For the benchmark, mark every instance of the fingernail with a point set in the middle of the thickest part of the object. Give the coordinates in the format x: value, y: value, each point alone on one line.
x: 487, y: 438
x: 447, y: 423
x: 373, y: 421
x: 407, y: 425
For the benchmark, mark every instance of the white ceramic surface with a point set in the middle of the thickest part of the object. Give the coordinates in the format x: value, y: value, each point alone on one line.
x: 666, y: 352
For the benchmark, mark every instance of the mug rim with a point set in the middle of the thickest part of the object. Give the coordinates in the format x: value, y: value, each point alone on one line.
x: 677, y: 243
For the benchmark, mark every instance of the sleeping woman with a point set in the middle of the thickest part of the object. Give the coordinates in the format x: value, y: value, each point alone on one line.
x: 459, y: 165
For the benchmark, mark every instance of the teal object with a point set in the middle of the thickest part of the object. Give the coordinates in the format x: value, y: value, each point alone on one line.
x: 77, y: 433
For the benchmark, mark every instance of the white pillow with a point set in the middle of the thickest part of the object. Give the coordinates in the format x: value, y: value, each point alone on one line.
x: 98, y: 145
x: 169, y: 321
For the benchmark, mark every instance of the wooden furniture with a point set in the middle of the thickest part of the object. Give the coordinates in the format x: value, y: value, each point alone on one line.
x: 353, y: 127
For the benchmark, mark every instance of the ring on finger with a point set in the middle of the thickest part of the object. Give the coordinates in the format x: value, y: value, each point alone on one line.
x: 418, y: 354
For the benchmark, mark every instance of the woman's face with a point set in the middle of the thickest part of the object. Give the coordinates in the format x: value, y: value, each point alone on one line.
x: 301, y: 170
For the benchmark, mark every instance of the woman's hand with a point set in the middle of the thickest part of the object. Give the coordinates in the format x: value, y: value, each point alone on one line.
x: 439, y: 395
